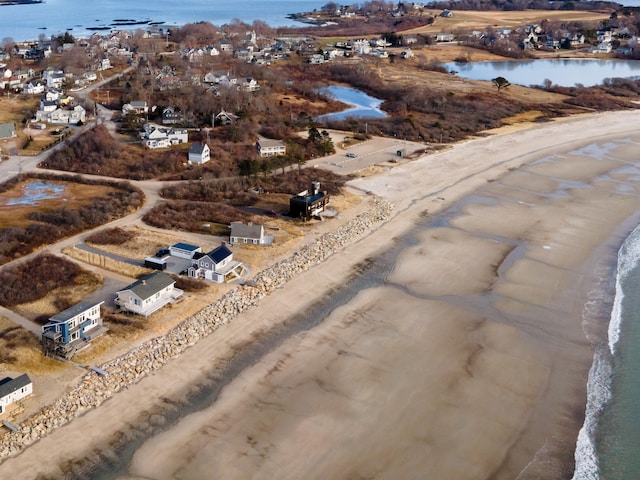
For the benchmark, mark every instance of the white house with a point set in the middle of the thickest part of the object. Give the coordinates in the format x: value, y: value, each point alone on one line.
x: 157, y: 136
x: 139, y: 107
x: 224, y: 118
x: 54, y: 77
x: 90, y: 76
x: 445, y: 37
x: 250, y: 85
x: 199, y: 153
x: 217, y: 265
x: 184, y: 250
x: 149, y: 294
x: 13, y: 390
x: 270, y: 148
x: 33, y: 88
x: 61, y: 116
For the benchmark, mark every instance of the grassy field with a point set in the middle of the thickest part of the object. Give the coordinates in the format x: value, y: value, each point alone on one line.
x: 479, y: 20
x: 20, y: 350
x: 60, y: 298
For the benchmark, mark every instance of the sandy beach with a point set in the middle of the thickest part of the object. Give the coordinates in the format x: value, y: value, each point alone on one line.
x: 467, y: 360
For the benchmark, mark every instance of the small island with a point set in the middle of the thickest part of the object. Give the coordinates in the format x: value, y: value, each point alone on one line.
x: 19, y: 2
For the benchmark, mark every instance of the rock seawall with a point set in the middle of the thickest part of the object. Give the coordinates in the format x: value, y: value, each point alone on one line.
x: 93, y: 390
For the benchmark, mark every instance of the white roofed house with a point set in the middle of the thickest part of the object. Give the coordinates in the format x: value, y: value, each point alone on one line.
x: 12, y: 390
x: 139, y: 107
x: 72, y: 329
x: 217, y: 265
x: 199, y: 153
x: 184, y: 250
x: 250, y: 85
x: 270, y: 148
x: 149, y: 294
x: 157, y: 136
x: 224, y: 118
x: 62, y: 116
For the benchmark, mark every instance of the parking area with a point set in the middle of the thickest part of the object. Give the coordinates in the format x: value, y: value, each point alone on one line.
x: 365, y: 154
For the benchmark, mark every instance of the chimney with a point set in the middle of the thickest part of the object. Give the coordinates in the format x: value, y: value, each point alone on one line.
x: 315, y: 187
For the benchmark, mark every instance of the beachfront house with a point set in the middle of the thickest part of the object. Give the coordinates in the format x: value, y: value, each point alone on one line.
x: 249, y: 233
x: 12, y: 390
x: 72, y: 329
x: 149, y: 294
x: 217, y: 265
x: 308, y: 203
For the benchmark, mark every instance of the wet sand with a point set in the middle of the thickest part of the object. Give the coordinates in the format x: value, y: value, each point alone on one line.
x: 470, y: 360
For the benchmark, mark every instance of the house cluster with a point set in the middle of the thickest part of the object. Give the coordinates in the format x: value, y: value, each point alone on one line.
x: 533, y: 37
x: 376, y: 47
x: 216, y: 265
x: 57, y: 108
x: 159, y: 136
x: 72, y: 330
x: 223, y: 79
x: 250, y: 48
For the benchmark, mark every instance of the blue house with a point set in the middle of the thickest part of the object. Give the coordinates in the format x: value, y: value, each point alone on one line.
x: 72, y: 330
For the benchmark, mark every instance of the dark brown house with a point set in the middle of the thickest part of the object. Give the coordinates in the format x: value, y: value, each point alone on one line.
x: 308, y: 204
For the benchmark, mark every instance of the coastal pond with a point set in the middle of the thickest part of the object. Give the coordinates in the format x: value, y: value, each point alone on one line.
x: 34, y: 192
x: 565, y: 72
x: 362, y: 105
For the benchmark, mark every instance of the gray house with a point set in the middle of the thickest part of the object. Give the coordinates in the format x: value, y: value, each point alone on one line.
x: 7, y: 130
x: 217, y: 265
x: 251, y: 233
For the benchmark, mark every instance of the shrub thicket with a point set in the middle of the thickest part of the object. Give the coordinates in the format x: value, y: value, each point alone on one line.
x: 32, y: 280
x: 111, y: 236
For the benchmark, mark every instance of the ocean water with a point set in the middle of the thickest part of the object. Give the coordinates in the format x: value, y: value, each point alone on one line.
x: 609, y: 441
x: 29, y: 22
